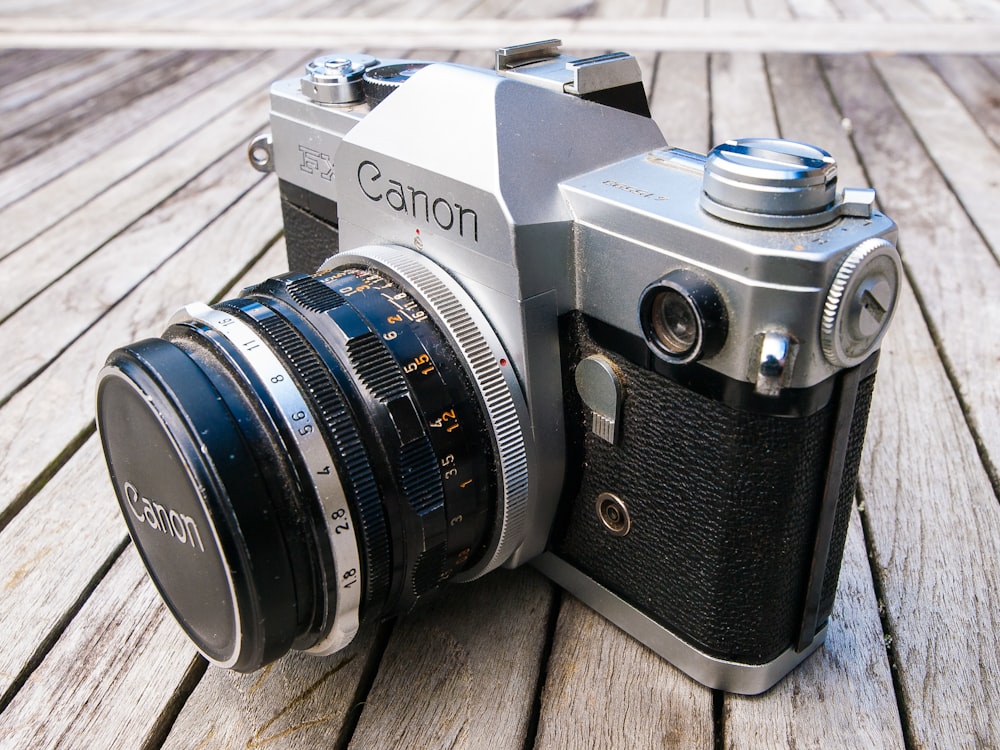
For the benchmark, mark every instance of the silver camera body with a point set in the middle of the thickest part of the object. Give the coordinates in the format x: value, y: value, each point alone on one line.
x: 659, y: 309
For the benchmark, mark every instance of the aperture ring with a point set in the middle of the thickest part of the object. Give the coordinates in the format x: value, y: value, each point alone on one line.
x: 488, y: 365
x: 460, y: 453
x: 301, y: 424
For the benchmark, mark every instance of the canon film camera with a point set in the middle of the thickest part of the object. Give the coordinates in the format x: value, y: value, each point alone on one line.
x: 536, y: 334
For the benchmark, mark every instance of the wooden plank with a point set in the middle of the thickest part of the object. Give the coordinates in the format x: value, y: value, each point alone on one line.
x: 90, y: 690
x: 50, y: 558
x: 462, y: 671
x: 739, y: 85
x: 57, y: 153
x: 39, y: 125
x: 110, y: 213
x: 936, y: 527
x: 936, y: 233
x: 106, y: 95
x: 49, y: 555
x: 61, y: 397
x: 106, y: 276
x: 605, y: 689
x: 805, y: 112
x: 815, y: 10
x: 34, y: 84
x: 902, y: 10
x: 15, y: 65
x: 770, y: 9
x: 968, y: 161
x: 47, y: 205
x: 632, y: 9
x: 679, y: 94
x: 935, y: 545
x: 679, y: 99
x: 850, y: 675
x: 860, y: 10
x: 685, y: 8
x: 978, y: 89
x: 981, y: 9
x: 299, y: 701
x: 842, y: 696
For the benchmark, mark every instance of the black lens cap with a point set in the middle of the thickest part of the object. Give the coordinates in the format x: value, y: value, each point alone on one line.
x: 196, y: 504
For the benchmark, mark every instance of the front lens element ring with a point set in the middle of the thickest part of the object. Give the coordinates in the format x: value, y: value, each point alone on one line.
x: 302, y: 425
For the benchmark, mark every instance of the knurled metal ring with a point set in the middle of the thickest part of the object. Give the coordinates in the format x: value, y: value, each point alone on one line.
x: 860, y: 303
x: 490, y: 369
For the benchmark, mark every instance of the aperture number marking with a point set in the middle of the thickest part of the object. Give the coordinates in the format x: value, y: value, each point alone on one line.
x: 448, y: 420
x: 341, y: 526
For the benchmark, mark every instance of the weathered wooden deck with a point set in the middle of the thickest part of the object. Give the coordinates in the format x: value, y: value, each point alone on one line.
x: 124, y: 192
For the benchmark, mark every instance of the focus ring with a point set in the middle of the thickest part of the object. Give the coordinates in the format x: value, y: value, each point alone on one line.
x: 312, y: 448
x: 357, y: 476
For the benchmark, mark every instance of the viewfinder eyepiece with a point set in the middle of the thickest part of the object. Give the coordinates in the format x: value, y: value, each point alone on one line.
x: 683, y: 317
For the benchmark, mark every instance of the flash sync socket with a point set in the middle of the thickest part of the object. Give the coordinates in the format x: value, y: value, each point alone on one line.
x: 683, y: 318
x: 613, y: 514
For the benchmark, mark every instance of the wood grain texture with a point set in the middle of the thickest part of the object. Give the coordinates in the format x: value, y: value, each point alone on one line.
x: 739, y: 97
x: 848, y: 677
x: 41, y: 207
x: 92, y: 658
x: 679, y: 100
x: 50, y: 554
x: 71, y: 303
x: 43, y: 80
x: 67, y: 144
x: 954, y: 273
x: 87, y: 101
x: 977, y: 88
x: 852, y: 669
x: 936, y: 541
x: 57, y: 547
x: 298, y: 701
x: 968, y: 161
x: 103, y: 682
x: 97, y: 234
x: 605, y: 689
x: 462, y: 671
x: 41, y: 419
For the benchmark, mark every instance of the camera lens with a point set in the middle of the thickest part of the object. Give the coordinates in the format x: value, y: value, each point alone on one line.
x: 318, y: 453
x: 683, y: 317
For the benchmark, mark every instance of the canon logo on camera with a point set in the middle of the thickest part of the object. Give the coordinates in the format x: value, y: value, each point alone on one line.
x: 182, y: 528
